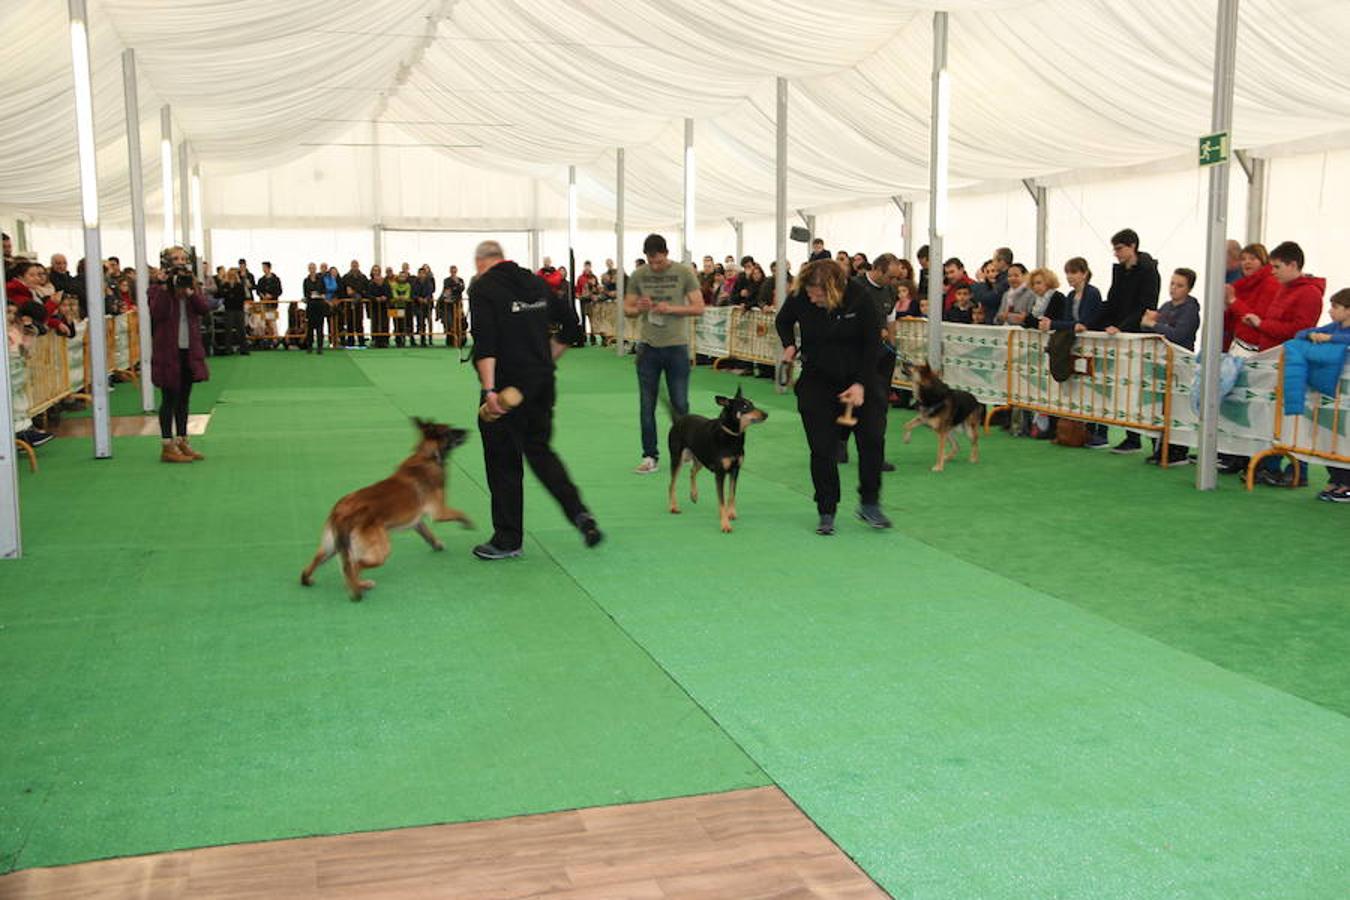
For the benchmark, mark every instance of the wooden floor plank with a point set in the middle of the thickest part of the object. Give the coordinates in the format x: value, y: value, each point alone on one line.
x: 743, y: 844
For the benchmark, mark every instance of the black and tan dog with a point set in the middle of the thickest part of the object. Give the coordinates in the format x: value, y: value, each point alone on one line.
x: 714, y: 444
x: 359, y: 525
x: 944, y: 410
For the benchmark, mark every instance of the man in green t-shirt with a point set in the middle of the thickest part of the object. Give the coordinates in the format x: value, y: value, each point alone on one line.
x: 661, y: 296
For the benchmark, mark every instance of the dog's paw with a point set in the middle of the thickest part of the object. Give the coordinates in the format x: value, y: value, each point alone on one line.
x: 936, y: 469
x: 726, y: 528
x: 466, y: 522
x: 306, y: 580
x: 438, y: 546
x: 674, y: 510
x: 693, y: 496
x: 367, y: 584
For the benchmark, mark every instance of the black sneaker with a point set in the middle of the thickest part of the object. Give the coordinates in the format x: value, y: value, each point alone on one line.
x: 826, y: 526
x: 492, y: 551
x: 590, y: 531
x: 1341, y: 496
x: 871, y: 514
x: 887, y: 466
x: 1154, y: 458
x: 1277, y: 479
x: 36, y: 437
x: 1129, y: 445
x: 1179, y: 456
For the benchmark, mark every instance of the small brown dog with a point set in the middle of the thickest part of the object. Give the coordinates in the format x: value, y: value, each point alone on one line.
x: 944, y: 410
x: 359, y: 525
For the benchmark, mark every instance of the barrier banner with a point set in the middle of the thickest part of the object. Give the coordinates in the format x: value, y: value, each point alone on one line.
x: 1246, y: 414
x: 712, y: 331
x: 18, y: 389
x: 975, y: 359
x: 75, y: 356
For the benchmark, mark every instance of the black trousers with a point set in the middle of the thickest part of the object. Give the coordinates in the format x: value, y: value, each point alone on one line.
x: 379, y: 323
x: 524, y: 434
x: 353, y: 323
x: 819, y: 406
x: 421, y: 322
x: 236, y: 330
x: 173, y: 401
x: 317, y: 315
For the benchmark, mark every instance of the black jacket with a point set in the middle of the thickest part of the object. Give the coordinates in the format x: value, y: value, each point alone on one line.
x: 454, y: 286
x: 313, y: 286
x: 356, y: 281
x: 270, y: 285
x: 513, y: 313
x: 1132, y: 291
x: 1058, y: 308
x: 839, y: 345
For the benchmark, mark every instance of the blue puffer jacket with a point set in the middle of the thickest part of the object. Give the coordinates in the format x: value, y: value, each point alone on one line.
x: 1316, y: 366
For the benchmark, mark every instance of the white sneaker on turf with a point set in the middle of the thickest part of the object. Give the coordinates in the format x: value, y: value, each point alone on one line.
x: 646, y: 467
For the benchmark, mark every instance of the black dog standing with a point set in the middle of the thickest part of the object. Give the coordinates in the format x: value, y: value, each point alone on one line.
x: 513, y: 312
x: 839, y: 328
x: 715, y: 444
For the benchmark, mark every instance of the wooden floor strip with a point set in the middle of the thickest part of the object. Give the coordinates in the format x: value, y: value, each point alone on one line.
x: 743, y: 844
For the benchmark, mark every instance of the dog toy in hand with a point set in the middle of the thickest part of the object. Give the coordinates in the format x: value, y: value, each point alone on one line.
x: 508, y: 398
x: 847, y: 418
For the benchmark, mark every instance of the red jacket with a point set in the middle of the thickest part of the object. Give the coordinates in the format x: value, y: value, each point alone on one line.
x: 950, y: 299
x: 1295, y: 306
x: 553, y: 278
x: 1252, y: 294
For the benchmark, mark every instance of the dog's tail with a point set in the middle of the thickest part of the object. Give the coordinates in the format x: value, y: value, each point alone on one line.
x: 334, y: 540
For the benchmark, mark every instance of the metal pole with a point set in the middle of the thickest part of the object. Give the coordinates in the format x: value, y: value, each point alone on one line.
x: 132, y: 100
x: 620, y: 273
x: 570, y: 286
x: 780, y: 196
x: 1039, y: 197
x: 906, y: 208
x: 1216, y: 246
x: 739, y: 228
x: 93, y: 250
x: 11, y: 536
x: 377, y: 238
x: 166, y: 173
x: 811, y: 227
x: 937, y: 186
x: 687, y: 231
x: 184, y: 198
x: 1256, y: 201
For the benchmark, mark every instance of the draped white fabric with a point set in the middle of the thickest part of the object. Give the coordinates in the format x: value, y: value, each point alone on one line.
x: 480, y: 99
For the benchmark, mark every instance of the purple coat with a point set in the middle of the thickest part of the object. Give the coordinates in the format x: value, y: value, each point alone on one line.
x: 164, y: 337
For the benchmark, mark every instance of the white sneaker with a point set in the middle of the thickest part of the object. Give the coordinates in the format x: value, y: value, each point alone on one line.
x: 647, y: 466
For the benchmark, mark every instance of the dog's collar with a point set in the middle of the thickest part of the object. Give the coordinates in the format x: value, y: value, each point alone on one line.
x: 728, y: 430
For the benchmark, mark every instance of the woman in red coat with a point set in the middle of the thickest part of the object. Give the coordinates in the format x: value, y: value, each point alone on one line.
x: 176, y: 307
x: 1251, y: 293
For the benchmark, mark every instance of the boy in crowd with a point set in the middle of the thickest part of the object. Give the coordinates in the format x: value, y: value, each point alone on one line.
x: 1316, y: 358
x: 1177, y: 320
x: 1135, y: 286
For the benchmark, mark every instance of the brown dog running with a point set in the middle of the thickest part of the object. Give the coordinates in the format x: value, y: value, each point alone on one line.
x: 359, y: 525
x: 944, y: 410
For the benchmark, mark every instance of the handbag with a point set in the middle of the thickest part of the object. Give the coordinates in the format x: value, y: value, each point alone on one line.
x: 1071, y: 433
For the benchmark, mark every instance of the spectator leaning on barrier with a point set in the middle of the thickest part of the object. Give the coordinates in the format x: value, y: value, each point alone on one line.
x: 989, y: 290
x: 1177, y: 320
x: 1135, y: 285
x: 1250, y: 293
x: 953, y: 276
x: 1315, y: 359
x: 1017, y: 300
x: 963, y: 308
x: 1081, y: 310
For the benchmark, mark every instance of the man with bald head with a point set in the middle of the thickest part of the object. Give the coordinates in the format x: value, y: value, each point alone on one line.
x: 514, y: 314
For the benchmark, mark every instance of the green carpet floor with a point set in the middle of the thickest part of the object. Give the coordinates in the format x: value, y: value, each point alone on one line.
x: 1063, y: 674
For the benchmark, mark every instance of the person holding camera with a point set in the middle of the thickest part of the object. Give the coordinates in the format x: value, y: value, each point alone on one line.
x: 179, y: 359
x: 316, y: 310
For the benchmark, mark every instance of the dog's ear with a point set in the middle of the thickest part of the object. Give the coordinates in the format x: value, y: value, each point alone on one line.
x: 722, y: 401
x: 740, y: 392
x: 419, y: 423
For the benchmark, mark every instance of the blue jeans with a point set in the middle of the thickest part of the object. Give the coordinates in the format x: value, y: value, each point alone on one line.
x: 651, y: 362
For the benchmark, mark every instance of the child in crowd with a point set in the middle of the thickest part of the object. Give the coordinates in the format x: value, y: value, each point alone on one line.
x: 962, y: 311
x: 1315, y: 359
x: 1017, y: 300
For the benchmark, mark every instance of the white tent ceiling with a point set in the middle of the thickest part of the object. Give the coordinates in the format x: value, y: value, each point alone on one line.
x: 525, y: 87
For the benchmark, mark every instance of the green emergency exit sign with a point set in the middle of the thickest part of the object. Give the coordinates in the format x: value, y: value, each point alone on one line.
x: 1214, y: 149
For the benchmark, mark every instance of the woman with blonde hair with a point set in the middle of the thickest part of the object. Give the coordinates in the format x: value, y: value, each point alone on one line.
x: 838, y: 326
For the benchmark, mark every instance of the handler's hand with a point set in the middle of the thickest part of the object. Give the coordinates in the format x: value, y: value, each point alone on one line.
x: 1319, y: 337
x: 493, y: 406
x: 661, y: 308
x: 644, y: 303
x: 853, y: 395
x: 789, y: 353
x: 1252, y: 319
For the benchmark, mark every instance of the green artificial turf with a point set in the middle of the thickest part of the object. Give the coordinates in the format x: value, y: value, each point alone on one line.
x: 1063, y: 674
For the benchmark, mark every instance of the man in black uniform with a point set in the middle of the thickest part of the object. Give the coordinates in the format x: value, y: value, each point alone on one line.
x: 452, y: 308
x: 513, y: 312
x: 878, y: 283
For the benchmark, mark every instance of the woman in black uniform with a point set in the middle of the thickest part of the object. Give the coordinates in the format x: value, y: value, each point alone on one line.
x: 838, y: 326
